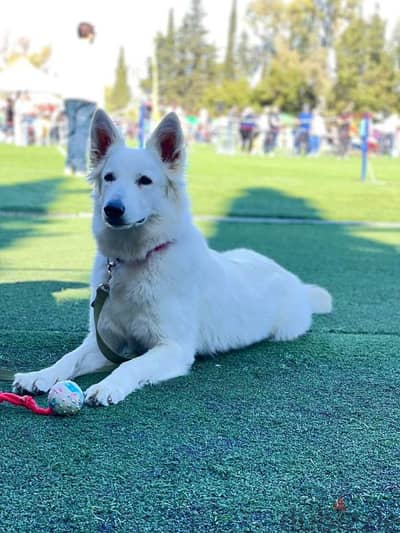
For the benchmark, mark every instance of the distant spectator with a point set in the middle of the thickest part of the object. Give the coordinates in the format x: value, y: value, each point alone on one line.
x: 263, y: 128
x: 344, y: 124
x: 83, y: 91
x: 144, y: 123
x: 302, y: 144
x: 390, y: 126
x: 247, y: 129
x: 317, y: 132
x: 23, y: 112
x: 274, y: 126
x: 227, y: 132
x: 9, y: 119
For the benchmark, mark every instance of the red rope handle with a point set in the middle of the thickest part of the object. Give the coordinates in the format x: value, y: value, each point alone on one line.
x: 25, y: 401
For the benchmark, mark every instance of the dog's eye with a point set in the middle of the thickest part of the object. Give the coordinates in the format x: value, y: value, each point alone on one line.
x: 109, y: 177
x: 144, y: 180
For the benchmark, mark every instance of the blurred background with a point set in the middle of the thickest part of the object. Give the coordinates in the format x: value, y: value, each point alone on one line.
x: 260, y: 76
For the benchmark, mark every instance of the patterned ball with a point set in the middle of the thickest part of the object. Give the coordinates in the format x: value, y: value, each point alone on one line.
x: 65, y: 398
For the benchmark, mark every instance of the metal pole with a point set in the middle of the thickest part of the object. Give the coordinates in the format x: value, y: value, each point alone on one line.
x: 364, y: 133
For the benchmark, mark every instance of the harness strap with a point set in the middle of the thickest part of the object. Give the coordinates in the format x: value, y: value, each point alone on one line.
x: 102, y: 293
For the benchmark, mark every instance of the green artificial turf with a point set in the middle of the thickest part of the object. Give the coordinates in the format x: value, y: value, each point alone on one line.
x: 261, y: 439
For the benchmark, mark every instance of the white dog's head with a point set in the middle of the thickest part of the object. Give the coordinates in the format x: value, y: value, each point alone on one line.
x: 135, y: 188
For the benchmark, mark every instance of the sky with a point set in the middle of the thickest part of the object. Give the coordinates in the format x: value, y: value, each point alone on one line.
x: 128, y: 23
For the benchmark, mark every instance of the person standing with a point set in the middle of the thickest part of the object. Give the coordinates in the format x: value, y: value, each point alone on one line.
x: 303, y: 130
x: 248, y: 129
x: 83, y: 91
x: 9, y: 119
x: 344, y: 131
x: 317, y: 132
x: 274, y: 126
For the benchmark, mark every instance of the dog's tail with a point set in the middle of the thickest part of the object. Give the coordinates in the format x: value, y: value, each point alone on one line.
x: 321, y: 300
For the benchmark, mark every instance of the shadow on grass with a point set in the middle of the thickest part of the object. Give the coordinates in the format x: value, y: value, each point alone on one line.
x: 29, y: 198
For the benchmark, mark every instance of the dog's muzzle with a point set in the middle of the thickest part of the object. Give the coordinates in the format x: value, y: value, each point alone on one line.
x: 114, y: 216
x: 114, y: 213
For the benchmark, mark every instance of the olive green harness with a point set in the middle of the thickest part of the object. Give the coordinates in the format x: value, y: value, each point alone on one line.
x: 102, y: 293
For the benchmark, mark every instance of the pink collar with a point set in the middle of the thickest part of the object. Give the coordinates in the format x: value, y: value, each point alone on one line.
x: 158, y: 248
x: 112, y: 263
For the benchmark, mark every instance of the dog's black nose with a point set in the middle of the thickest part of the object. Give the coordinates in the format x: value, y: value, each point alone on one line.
x: 114, y: 209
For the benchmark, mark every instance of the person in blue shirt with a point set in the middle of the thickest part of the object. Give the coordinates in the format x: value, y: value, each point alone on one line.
x: 303, y: 130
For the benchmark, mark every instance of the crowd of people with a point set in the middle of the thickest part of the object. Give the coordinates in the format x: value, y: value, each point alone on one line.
x: 23, y: 121
x: 310, y: 132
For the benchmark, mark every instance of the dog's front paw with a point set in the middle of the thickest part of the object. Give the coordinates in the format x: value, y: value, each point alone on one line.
x: 104, y: 393
x: 34, y: 382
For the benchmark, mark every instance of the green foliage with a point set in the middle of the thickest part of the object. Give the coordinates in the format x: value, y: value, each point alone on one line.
x: 118, y: 97
x: 229, y: 93
x: 303, y: 26
x: 286, y: 84
x: 395, y: 45
x: 365, y: 69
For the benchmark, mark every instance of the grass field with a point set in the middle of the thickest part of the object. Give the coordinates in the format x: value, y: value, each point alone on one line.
x: 262, y: 439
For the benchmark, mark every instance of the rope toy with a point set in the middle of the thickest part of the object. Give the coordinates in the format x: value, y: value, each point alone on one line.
x: 65, y: 399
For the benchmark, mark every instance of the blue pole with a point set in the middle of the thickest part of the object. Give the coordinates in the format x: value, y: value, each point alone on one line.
x: 364, y: 132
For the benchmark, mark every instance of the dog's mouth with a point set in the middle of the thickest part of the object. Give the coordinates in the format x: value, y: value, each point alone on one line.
x: 119, y: 224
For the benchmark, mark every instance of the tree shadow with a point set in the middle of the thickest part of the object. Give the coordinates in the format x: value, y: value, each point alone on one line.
x: 28, y: 198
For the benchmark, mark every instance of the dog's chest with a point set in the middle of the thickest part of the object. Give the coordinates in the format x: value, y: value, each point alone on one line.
x: 128, y: 315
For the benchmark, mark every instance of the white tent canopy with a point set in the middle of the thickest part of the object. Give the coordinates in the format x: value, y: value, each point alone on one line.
x: 21, y: 75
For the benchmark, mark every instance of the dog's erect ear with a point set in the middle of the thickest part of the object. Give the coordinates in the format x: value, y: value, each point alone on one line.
x: 103, y: 133
x: 168, y: 142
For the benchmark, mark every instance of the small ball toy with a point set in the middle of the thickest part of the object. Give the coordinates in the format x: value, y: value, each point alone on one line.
x: 65, y: 399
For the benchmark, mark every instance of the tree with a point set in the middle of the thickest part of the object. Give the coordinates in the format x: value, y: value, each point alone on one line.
x: 332, y: 15
x: 229, y: 64
x: 167, y: 62
x: 228, y: 94
x: 186, y: 61
x: 290, y: 81
x: 246, y: 57
x: 267, y: 20
x: 196, y: 59
x: 303, y: 27
x: 365, y: 69
x: 395, y: 45
x: 120, y: 94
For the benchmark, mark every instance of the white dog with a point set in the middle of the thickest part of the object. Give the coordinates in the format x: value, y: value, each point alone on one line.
x: 170, y: 296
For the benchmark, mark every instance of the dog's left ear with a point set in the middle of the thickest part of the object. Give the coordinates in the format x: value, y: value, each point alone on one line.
x: 168, y: 142
x: 103, y: 133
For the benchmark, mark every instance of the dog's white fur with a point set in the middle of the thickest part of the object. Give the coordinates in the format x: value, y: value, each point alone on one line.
x: 181, y: 300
